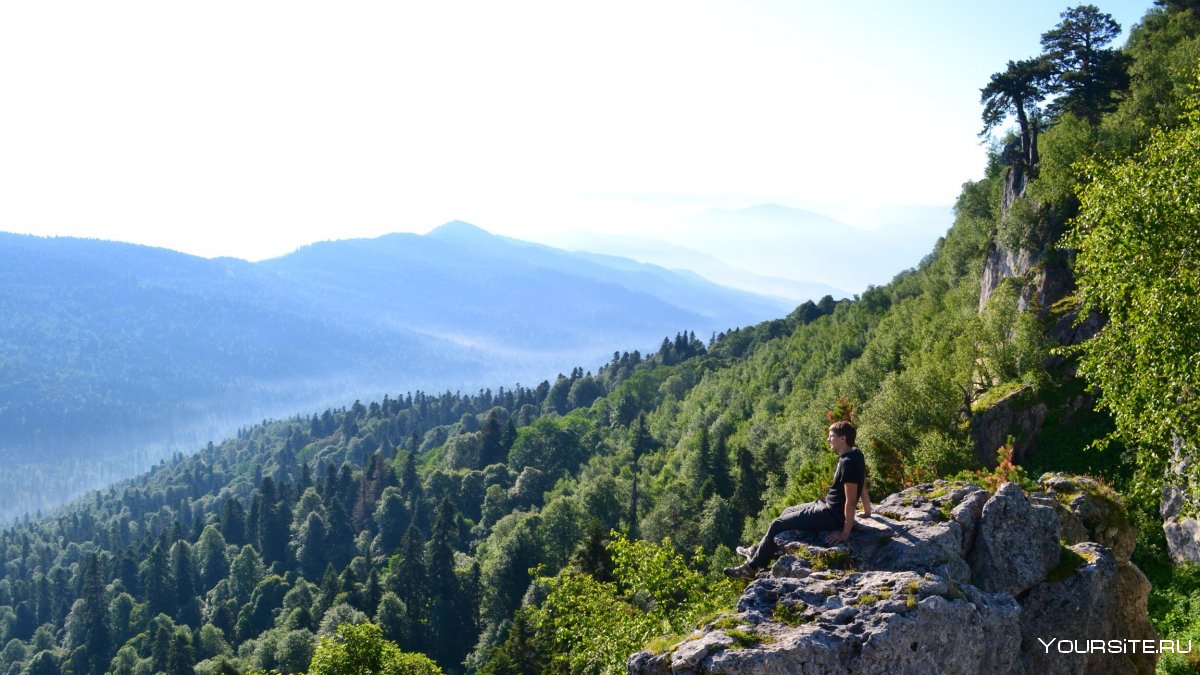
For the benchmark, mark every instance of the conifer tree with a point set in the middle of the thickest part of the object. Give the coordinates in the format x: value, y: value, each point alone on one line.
x: 233, y: 522
x: 26, y: 621
x: 183, y: 574
x: 410, y: 583
x: 410, y: 482
x: 1085, y: 75
x: 161, y: 632
x: 703, y: 483
x: 377, y: 476
x: 444, y: 637
x: 371, y: 593
x: 521, y: 652
x: 156, y: 584
x: 339, y: 535
x: 94, y: 638
x: 44, y: 599
x: 719, y: 467
x: 328, y: 483
x: 1017, y: 91
x: 747, y: 495
x: 492, y: 449
x: 346, y: 487
x: 310, y: 546
x: 305, y: 481
x: 470, y: 596
x: 351, y: 590
x: 331, y: 587
x: 507, y: 438
x: 593, y: 557
x: 633, y: 505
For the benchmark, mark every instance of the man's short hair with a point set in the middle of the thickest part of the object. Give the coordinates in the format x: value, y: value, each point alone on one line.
x: 845, y: 430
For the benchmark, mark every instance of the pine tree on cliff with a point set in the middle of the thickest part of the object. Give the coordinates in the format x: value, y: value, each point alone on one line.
x: 1017, y: 91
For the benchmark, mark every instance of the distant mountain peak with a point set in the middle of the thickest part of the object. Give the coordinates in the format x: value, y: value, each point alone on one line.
x: 458, y: 229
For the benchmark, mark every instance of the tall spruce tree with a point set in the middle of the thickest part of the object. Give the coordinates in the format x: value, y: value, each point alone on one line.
x: 492, y: 449
x: 747, y: 495
x: 183, y: 574
x: 410, y: 582
x: 445, y: 637
x: 94, y: 638
x: 159, y: 592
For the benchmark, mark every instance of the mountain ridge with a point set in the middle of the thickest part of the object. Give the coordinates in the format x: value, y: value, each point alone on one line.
x: 94, y: 330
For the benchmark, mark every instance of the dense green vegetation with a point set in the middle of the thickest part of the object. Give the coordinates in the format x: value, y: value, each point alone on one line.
x: 558, y: 528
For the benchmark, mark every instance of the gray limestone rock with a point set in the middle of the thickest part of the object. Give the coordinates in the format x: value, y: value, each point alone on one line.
x: 1016, y: 545
x: 1131, y: 618
x: 1077, y: 607
x: 968, y: 513
x: 1183, y: 539
x: 900, y: 597
x: 791, y: 566
x: 1182, y: 532
x: 873, y: 622
x: 1091, y: 511
x: 689, y: 654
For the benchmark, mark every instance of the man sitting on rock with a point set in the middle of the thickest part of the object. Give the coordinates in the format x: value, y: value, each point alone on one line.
x: 834, y: 512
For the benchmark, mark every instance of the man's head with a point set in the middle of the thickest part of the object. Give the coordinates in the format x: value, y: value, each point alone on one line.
x: 842, y: 431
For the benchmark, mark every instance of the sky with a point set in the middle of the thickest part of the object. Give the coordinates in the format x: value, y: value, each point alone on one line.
x: 249, y: 128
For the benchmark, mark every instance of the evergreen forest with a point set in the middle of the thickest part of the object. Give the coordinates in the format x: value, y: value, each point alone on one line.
x: 560, y: 528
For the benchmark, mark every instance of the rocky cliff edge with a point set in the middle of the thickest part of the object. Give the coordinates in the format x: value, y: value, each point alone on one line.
x: 944, y: 578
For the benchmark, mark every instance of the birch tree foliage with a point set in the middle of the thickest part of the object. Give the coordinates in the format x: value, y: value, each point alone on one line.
x: 1137, y: 237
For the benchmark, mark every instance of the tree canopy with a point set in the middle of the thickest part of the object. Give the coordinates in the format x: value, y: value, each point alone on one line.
x: 1016, y: 91
x: 1083, y: 73
x: 360, y: 649
x: 1136, y: 236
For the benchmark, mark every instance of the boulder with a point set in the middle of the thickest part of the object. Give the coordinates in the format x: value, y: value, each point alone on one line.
x: 1078, y: 606
x: 1182, y: 532
x: 1091, y: 511
x: 1016, y: 545
x: 1183, y: 539
x: 1131, y: 617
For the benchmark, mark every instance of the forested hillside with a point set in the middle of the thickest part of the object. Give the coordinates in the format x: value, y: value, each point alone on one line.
x: 113, y: 355
x: 562, y: 527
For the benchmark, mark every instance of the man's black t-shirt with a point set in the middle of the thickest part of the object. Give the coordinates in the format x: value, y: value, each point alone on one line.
x: 851, y: 468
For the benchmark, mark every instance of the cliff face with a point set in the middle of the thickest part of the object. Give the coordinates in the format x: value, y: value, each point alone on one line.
x: 1046, y: 282
x: 945, y: 578
x: 1000, y: 262
x: 1046, y: 273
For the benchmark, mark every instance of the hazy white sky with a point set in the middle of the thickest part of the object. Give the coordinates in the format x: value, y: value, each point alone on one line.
x: 251, y: 127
